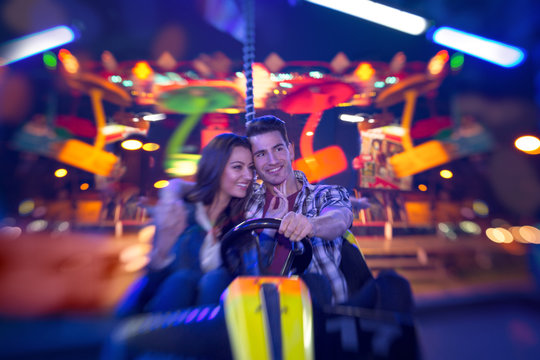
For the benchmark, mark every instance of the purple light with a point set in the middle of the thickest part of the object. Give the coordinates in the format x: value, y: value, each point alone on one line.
x: 214, y: 312
x: 202, y: 314
x: 180, y: 318
x: 192, y: 315
x: 223, y: 296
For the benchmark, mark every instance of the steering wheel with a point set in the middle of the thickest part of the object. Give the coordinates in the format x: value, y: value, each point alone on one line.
x: 240, y: 244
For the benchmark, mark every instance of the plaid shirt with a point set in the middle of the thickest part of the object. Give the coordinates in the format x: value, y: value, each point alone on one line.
x: 311, y: 200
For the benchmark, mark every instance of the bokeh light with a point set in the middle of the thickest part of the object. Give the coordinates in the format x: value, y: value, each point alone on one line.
x: 514, y: 230
x: 528, y: 144
x: 36, y: 226
x: 142, y: 70
x: 60, y: 173
x: 10, y: 232
x: 49, y: 59
x: 131, y: 144
x: 84, y: 186
x: 530, y: 234
x: 480, y: 208
x: 499, y: 235
x: 364, y: 71
x: 470, y: 227
x: 422, y: 187
x: 39, y: 211
x: 447, y: 231
x: 63, y: 226
x: 160, y: 184
x: 456, y: 61
x: 437, y: 63
x: 182, y: 164
x: 26, y: 207
x: 150, y: 147
x: 70, y: 62
x: 467, y: 212
x: 446, y: 174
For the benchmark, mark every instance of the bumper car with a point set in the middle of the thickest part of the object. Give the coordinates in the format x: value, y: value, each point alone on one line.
x: 272, y: 316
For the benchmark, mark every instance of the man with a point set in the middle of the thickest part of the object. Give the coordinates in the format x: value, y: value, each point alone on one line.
x: 321, y: 212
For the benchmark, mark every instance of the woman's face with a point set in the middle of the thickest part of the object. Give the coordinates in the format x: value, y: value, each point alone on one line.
x: 238, y: 173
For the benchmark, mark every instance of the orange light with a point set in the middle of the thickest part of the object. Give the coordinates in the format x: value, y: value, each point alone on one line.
x: 530, y: 234
x: 69, y: 61
x: 84, y: 186
x: 322, y: 163
x: 364, y: 71
x: 142, y: 70
x: 528, y: 144
x: 504, y: 234
x: 499, y: 235
x: 437, y: 63
x: 446, y: 174
x: 422, y: 187
x: 59, y: 173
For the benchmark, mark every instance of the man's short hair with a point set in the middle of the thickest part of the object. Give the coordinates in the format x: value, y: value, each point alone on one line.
x: 265, y: 124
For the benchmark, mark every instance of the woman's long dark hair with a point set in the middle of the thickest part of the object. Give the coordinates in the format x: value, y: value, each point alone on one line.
x: 215, y: 157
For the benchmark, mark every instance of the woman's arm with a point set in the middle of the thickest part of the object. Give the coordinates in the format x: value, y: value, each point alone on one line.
x: 170, y: 219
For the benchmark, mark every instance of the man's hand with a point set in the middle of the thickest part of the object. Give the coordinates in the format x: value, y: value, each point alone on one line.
x: 296, y: 226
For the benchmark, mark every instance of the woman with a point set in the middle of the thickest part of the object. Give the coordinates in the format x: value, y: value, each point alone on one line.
x: 214, y: 205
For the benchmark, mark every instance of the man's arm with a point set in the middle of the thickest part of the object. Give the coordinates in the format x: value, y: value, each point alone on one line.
x: 331, y: 223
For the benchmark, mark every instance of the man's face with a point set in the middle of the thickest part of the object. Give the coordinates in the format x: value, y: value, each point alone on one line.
x: 272, y: 157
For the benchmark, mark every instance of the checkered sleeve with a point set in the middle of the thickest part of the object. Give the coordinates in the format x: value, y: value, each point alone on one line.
x: 334, y: 196
x: 326, y: 257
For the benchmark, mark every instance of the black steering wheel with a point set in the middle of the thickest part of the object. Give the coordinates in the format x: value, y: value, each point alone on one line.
x: 241, y: 255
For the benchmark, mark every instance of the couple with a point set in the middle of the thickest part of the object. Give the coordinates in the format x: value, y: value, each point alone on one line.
x: 185, y: 265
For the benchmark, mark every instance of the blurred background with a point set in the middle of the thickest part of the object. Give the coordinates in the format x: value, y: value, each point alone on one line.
x: 442, y: 143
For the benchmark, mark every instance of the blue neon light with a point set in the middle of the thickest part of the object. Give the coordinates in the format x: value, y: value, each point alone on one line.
x: 29, y: 45
x: 486, y: 49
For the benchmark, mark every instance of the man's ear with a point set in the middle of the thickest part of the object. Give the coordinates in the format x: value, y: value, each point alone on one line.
x: 291, y: 150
